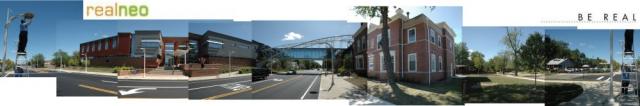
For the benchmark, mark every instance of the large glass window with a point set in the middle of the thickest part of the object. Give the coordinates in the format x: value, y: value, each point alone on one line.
x: 150, y: 43
x: 215, y: 44
x: 412, y: 35
x: 413, y: 64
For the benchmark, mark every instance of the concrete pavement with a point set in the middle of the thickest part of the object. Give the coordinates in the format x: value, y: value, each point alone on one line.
x: 287, y: 87
x: 342, y: 89
x: 221, y: 88
x: 140, y: 88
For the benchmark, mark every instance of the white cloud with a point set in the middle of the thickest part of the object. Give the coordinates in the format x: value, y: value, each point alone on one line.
x: 292, y: 36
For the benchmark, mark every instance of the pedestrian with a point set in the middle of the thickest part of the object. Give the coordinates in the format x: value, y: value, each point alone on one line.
x: 628, y: 41
x: 24, y: 32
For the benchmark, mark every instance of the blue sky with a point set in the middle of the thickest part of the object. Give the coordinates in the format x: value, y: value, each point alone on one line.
x: 59, y: 25
x: 488, y: 40
x: 273, y: 32
x: 595, y: 43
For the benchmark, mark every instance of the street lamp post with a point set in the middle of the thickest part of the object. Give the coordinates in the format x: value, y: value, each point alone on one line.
x: 144, y: 62
x: 85, y: 62
x: 231, y: 52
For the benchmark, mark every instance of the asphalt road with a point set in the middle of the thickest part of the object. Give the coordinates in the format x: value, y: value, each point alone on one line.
x: 77, y: 84
x: 294, y: 87
x: 135, y: 88
x: 225, y: 88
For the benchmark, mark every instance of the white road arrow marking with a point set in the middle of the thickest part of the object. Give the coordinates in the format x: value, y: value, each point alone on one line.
x: 278, y: 79
x: 135, y: 91
x: 599, y: 78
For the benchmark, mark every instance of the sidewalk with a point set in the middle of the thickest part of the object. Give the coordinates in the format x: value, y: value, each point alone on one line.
x: 156, y: 75
x: 83, y: 72
x: 595, y: 93
x: 345, y: 90
x: 225, y: 75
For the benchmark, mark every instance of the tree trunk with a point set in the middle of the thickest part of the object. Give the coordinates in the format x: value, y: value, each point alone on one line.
x: 385, y: 45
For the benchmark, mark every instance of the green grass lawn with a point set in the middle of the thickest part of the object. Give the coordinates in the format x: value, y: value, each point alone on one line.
x: 557, y: 93
x: 501, y: 89
x: 441, y: 93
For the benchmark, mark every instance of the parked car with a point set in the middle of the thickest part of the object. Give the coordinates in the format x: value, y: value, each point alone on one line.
x: 291, y: 72
x: 258, y: 74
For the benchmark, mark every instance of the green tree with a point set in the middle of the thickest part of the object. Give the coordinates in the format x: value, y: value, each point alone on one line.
x: 60, y: 58
x: 75, y: 59
x: 513, y: 43
x: 10, y: 64
x: 477, y: 59
x: 462, y: 54
x: 532, y: 52
x: 37, y: 60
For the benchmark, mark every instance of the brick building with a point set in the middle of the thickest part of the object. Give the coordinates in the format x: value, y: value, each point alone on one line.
x: 126, y: 49
x: 422, y: 51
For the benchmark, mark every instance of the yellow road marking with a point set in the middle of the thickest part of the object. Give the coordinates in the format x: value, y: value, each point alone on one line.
x: 98, y: 89
x: 227, y: 94
x: 261, y: 89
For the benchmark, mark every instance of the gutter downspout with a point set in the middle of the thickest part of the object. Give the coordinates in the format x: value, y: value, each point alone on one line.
x: 402, y: 48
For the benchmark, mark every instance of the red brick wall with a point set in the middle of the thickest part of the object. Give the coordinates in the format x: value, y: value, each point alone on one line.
x: 123, y: 48
x: 113, y: 61
x: 422, y: 47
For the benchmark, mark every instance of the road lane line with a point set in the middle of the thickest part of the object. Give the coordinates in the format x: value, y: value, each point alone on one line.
x: 218, y: 85
x: 109, y: 81
x: 305, y: 92
x: 261, y: 89
x: 98, y: 89
x: 153, y: 87
x: 599, y: 78
x: 227, y: 94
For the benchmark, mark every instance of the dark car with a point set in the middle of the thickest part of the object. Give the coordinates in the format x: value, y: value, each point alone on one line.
x: 291, y: 72
x: 258, y: 74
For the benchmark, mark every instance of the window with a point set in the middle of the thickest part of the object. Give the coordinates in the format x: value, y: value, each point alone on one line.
x: 150, y: 43
x: 378, y: 39
x: 215, y: 44
x: 371, y: 65
x: 359, y: 62
x: 114, y: 42
x: 393, y: 61
x: 411, y: 35
x: 440, y: 65
x: 433, y: 62
x: 413, y: 64
x: 242, y: 46
x: 432, y: 35
x: 106, y: 44
x: 99, y: 45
